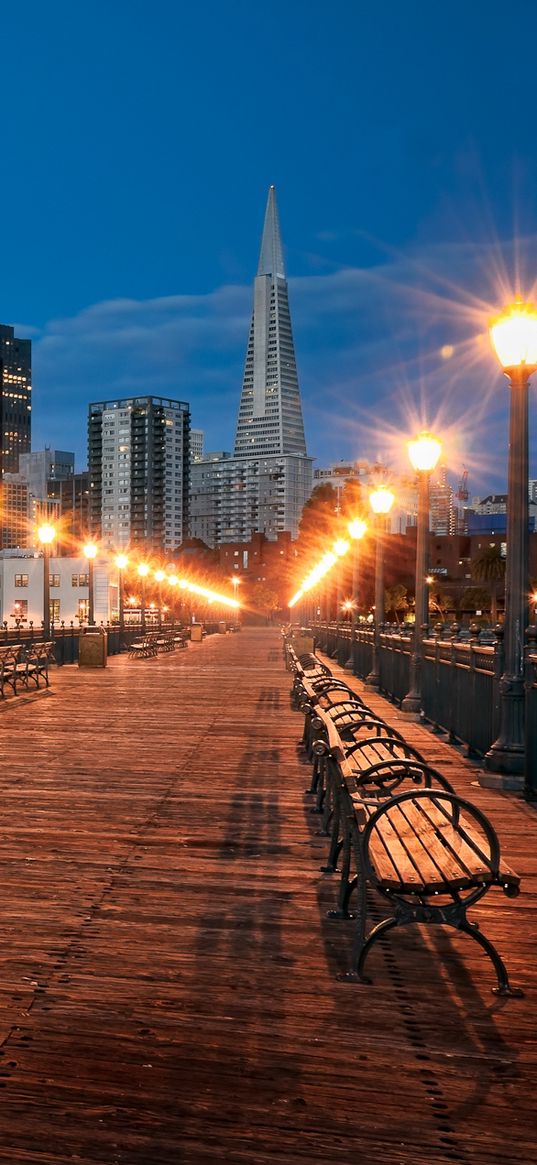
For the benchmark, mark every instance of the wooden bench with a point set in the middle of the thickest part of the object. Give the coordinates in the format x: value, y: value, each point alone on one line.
x: 34, y: 665
x: 429, y: 852
x: 165, y: 641
x: 9, y: 659
x: 144, y: 648
x: 399, y: 828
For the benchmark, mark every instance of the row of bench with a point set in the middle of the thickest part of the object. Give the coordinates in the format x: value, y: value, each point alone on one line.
x: 22, y: 666
x: 157, y: 641
x: 393, y: 822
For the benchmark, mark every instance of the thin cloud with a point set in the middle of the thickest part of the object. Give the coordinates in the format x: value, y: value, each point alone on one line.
x: 370, y: 343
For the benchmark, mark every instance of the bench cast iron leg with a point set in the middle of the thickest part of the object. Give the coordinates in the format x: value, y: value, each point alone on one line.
x: 504, y: 987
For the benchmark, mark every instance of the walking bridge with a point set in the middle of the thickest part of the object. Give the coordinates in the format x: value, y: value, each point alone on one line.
x: 168, y: 975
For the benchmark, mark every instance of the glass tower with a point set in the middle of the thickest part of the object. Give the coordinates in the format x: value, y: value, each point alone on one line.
x: 15, y: 398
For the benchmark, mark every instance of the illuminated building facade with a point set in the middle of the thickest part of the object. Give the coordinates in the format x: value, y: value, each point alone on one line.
x: 15, y: 398
x: 139, y: 466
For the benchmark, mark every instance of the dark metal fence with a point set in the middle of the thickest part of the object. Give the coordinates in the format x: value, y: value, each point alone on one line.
x: 459, y: 679
x: 66, y: 638
x: 531, y: 715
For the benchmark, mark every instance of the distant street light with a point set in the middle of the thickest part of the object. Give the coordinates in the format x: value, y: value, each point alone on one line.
x: 122, y: 563
x: 46, y: 535
x: 357, y: 529
x: 90, y: 552
x: 424, y: 452
x: 160, y: 575
x: 143, y: 571
x: 381, y: 501
x: 514, y: 336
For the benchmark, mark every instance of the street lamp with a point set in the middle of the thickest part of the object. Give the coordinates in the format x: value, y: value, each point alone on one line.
x: 235, y: 582
x: 381, y: 501
x: 160, y: 575
x: 424, y: 452
x: 90, y: 551
x: 143, y: 571
x: 357, y: 528
x: 122, y: 563
x: 514, y: 336
x: 46, y: 535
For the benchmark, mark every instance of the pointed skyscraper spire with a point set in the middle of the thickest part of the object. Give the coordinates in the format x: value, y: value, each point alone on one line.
x: 271, y: 256
x: 270, y: 412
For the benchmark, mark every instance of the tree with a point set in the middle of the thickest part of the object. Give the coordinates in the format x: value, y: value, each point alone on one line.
x: 489, y: 568
x: 474, y: 599
x: 395, y: 599
x: 317, y: 526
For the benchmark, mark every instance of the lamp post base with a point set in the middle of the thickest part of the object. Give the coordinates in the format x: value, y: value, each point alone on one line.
x: 501, y: 781
x: 372, y: 680
x: 506, y: 756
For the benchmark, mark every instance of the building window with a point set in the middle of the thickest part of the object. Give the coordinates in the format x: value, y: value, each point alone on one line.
x: 21, y: 580
x: 54, y: 580
x: 54, y: 610
x: 83, y: 608
x: 74, y: 580
x: 83, y: 580
x: 20, y: 609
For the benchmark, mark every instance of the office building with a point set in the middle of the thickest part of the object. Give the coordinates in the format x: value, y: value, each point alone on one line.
x: 16, y: 401
x: 262, y: 488
x: 139, y: 466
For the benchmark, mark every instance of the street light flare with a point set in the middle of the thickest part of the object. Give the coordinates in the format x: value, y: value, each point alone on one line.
x: 90, y: 550
x: 381, y: 500
x: 46, y: 534
x: 122, y: 561
x: 357, y: 528
x: 514, y: 336
x: 424, y: 452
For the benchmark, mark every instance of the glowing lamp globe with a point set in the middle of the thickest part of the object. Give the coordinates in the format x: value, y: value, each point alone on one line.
x: 90, y: 550
x: 143, y: 570
x: 122, y: 561
x: 424, y: 452
x: 514, y: 336
x: 381, y: 500
x: 357, y: 528
x: 160, y: 576
x: 341, y: 547
x: 46, y: 534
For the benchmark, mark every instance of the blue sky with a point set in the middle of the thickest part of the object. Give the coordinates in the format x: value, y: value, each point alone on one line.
x: 139, y: 140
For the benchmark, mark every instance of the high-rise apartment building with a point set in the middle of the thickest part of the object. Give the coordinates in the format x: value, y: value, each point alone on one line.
x: 139, y: 465
x: 442, y: 506
x: 264, y: 486
x: 15, y: 398
x: 197, y: 443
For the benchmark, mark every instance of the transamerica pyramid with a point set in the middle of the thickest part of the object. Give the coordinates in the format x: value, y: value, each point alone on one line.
x: 270, y: 412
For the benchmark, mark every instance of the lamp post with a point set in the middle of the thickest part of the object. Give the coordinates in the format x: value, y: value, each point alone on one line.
x: 159, y: 577
x: 90, y: 551
x: 424, y: 452
x: 235, y: 582
x: 357, y: 528
x: 143, y: 571
x: 46, y: 535
x: 122, y: 563
x: 381, y: 501
x: 514, y: 336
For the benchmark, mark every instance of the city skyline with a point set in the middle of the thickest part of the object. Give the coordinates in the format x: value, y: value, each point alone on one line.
x: 406, y: 191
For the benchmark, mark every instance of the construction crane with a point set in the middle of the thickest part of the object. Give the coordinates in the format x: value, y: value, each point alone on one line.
x: 462, y: 492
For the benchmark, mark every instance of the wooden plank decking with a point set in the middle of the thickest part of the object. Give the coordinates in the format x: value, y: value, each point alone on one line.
x: 168, y: 976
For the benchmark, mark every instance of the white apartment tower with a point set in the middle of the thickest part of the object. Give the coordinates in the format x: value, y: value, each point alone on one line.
x: 139, y: 464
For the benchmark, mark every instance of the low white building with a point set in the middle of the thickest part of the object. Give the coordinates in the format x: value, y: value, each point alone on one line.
x: 22, y: 589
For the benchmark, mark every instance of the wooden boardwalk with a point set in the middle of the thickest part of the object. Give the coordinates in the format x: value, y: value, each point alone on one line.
x: 168, y: 976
